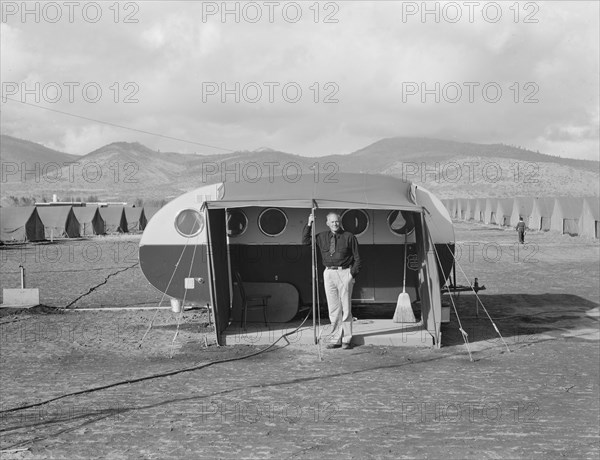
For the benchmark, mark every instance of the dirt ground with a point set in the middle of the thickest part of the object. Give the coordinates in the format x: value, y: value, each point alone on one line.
x: 538, y: 400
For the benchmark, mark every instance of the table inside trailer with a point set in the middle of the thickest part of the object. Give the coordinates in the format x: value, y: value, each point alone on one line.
x: 282, y: 305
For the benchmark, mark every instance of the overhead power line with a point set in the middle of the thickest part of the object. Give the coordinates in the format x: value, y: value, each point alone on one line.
x: 95, y: 120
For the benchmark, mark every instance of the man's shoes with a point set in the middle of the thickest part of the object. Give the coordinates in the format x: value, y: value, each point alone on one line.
x: 346, y: 346
x: 332, y: 345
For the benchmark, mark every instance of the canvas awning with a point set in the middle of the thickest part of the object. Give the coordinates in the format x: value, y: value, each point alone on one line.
x: 348, y: 191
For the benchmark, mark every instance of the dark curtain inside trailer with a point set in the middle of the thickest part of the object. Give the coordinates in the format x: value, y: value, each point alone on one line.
x: 429, y: 282
x: 218, y: 269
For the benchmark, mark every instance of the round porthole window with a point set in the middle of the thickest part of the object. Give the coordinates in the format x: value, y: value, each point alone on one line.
x: 401, y: 222
x: 237, y: 223
x: 189, y: 222
x: 272, y: 221
x: 355, y: 221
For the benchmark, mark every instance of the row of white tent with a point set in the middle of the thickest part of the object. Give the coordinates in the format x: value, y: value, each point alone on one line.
x: 566, y: 215
x: 36, y: 223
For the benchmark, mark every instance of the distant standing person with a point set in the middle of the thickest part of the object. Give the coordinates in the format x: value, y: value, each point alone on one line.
x: 520, y: 228
x: 339, y: 253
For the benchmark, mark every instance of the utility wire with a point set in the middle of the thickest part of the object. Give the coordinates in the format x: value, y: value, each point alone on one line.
x: 155, y: 376
x: 95, y: 120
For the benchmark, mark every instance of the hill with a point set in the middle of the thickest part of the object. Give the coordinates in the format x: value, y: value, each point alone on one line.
x: 124, y: 171
x: 381, y: 154
x: 460, y: 169
x: 21, y: 158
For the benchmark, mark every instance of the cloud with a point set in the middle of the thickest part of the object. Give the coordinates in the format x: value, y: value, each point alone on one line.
x: 388, y: 73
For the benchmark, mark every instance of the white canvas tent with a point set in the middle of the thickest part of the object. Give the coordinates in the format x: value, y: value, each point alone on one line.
x: 470, y: 209
x: 114, y: 219
x: 504, y: 210
x: 21, y: 223
x: 59, y: 222
x: 455, y: 208
x: 451, y: 207
x: 461, y: 208
x: 491, y: 205
x: 566, y: 214
x: 522, y: 207
x: 590, y: 215
x: 136, y: 220
x: 479, y: 210
x: 541, y: 214
x: 90, y: 221
x: 149, y: 212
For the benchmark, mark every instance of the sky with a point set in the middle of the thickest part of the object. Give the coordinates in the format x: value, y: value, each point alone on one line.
x: 308, y: 78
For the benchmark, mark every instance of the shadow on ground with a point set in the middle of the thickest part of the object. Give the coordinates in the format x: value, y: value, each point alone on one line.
x: 521, y: 318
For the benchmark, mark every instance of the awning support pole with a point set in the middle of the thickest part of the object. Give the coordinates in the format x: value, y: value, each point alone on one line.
x: 314, y: 262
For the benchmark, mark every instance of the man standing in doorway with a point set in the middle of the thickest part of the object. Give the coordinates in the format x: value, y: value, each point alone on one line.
x: 520, y: 228
x: 339, y: 253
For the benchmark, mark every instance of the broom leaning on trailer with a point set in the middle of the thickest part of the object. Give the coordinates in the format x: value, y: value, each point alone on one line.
x: 404, y: 312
